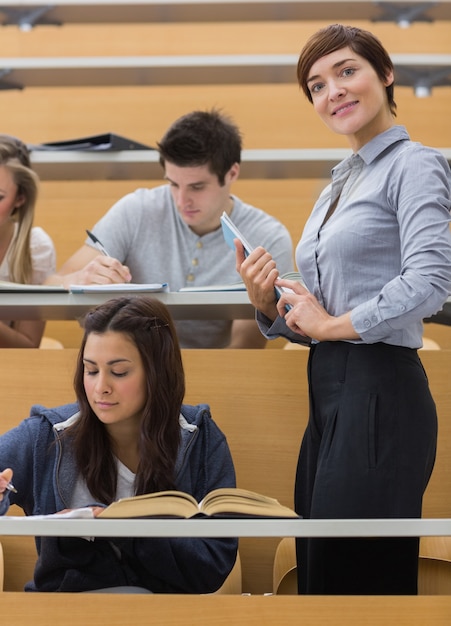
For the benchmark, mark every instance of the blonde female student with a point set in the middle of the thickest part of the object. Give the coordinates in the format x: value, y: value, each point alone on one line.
x: 27, y: 254
x: 375, y: 255
x: 128, y: 434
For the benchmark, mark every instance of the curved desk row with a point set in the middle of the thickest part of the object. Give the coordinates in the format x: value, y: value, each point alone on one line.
x: 412, y: 70
x: 39, y: 609
x: 144, y: 164
x: 70, y: 306
x: 199, y: 305
x: 36, y: 12
x: 221, y: 527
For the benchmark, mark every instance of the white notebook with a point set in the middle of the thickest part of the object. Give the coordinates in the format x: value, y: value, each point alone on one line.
x: 120, y: 287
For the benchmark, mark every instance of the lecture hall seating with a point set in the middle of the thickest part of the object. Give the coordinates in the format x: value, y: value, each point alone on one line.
x: 262, y: 413
x: 44, y: 114
x: 267, y: 389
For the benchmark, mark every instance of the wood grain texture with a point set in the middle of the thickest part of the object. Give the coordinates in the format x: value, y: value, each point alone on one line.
x: 260, y: 402
x: 24, y: 609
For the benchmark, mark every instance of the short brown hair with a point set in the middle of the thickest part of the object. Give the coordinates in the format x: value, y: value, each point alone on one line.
x: 336, y: 36
x: 202, y: 138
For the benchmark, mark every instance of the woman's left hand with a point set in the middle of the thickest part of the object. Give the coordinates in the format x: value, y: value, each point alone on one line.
x: 309, y: 318
x: 95, y: 510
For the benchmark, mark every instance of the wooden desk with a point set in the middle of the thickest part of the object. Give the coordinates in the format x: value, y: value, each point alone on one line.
x: 222, y: 69
x: 211, y: 610
x: 245, y: 394
x: 145, y: 165
x: 204, y: 527
x: 182, y: 305
x: 113, y: 11
x: 42, y: 609
x: 213, y: 305
x: 275, y: 164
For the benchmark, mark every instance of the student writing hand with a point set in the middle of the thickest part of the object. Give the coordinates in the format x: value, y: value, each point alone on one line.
x: 95, y: 509
x: 5, y: 478
x: 103, y: 270
x: 258, y: 272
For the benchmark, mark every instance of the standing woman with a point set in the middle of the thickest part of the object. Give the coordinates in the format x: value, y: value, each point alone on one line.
x: 27, y: 254
x: 375, y: 256
x: 129, y: 434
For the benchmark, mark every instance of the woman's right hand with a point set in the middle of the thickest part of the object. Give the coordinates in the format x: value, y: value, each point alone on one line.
x: 259, y: 273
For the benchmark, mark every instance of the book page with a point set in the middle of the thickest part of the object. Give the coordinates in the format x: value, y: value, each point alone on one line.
x: 85, y: 512
x: 225, y: 501
x: 236, y: 502
x: 158, y: 504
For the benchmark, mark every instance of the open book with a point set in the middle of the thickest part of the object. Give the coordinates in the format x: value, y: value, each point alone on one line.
x: 227, y: 502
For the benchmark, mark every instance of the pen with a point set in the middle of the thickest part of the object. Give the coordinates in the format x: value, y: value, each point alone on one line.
x: 98, y: 243
x: 10, y: 487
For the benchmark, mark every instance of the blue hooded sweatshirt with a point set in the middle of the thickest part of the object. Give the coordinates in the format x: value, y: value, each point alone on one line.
x: 45, y: 475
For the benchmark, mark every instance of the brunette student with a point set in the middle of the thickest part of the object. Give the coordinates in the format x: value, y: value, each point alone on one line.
x: 375, y: 256
x: 172, y: 232
x: 27, y: 254
x: 128, y: 434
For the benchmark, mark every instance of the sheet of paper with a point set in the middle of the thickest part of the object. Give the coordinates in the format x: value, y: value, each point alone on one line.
x: 229, y: 287
x: 85, y: 512
x: 120, y: 287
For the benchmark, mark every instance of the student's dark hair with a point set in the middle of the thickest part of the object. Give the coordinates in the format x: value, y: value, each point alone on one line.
x: 335, y: 37
x: 148, y: 324
x: 202, y: 138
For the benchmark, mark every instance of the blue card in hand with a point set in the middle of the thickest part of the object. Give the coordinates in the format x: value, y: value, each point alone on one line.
x: 231, y: 232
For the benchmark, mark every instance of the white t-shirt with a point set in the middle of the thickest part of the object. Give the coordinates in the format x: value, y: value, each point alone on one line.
x: 125, y: 488
x: 43, y: 256
x: 144, y: 231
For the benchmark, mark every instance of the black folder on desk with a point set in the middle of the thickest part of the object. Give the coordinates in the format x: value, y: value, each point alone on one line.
x: 104, y: 142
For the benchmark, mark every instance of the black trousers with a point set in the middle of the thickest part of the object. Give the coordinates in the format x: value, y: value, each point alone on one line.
x: 368, y: 452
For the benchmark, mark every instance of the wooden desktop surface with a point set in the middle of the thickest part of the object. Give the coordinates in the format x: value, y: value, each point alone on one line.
x: 113, y: 11
x: 41, y: 609
x: 200, y: 305
x: 220, y: 527
x: 258, y: 398
x: 70, y: 306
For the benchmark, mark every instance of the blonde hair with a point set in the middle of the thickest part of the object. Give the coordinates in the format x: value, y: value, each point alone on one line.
x: 15, y: 157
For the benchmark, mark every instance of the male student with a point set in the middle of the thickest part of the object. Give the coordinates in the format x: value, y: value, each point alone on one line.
x: 172, y: 233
